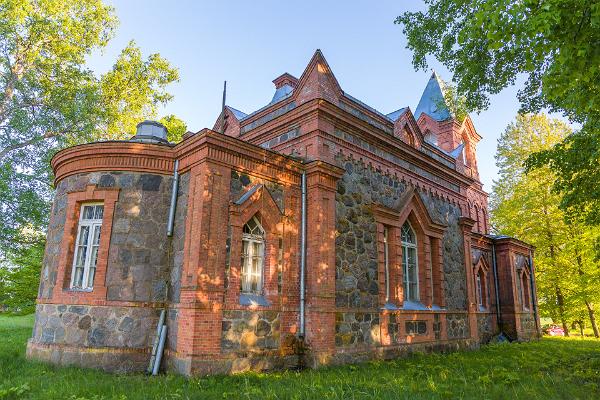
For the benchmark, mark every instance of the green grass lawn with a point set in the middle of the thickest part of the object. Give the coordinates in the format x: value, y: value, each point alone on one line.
x: 549, y: 369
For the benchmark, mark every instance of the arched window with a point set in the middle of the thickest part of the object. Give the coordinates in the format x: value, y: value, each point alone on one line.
x: 480, y: 287
x: 253, y: 249
x: 525, y: 291
x: 409, y: 263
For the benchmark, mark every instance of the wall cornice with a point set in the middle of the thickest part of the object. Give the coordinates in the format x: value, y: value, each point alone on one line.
x: 112, y: 156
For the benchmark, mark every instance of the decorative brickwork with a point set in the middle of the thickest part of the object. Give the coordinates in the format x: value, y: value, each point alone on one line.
x: 397, y: 251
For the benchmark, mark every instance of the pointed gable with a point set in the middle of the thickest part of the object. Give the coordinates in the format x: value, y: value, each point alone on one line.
x: 229, y: 121
x: 432, y: 100
x: 406, y: 128
x: 318, y: 82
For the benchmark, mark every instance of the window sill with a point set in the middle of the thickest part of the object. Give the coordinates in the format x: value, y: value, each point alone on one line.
x: 415, y: 305
x: 390, y: 306
x: 249, y: 299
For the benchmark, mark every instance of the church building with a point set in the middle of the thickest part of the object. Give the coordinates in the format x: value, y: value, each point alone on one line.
x: 313, y: 231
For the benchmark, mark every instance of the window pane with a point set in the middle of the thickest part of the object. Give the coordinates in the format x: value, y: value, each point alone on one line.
x: 96, y: 238
x: 78, y: 277
x: 88, y: 212
x: 92, y: 273
x: 413, y: 292
x: 412, y: 256
x: 99, y: 212
x: 84, y: 234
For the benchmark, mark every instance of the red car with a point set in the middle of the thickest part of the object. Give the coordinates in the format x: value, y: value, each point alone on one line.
x: 554, y: 330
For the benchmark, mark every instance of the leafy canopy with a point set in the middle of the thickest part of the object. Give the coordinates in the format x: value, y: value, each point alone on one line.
x: 552, y: 44
x: 523, y: 205
x: 50, y: 99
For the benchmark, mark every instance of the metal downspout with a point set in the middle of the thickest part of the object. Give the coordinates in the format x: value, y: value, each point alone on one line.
x: 533, y: 294
x: 302, y: 257
x: 175, y: 188
x: 495, y: 267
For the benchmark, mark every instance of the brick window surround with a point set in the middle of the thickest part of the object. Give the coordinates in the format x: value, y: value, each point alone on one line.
x: 259, y: 204
x: 63, y: 292
x: 524, y: 285
x: 429, y: 251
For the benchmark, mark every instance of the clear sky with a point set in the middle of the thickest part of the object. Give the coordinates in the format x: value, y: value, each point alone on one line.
x: 249, y: 43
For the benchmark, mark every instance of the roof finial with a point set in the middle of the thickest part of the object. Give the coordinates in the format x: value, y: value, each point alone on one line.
x: 224, y: 95
x: 222, y: 127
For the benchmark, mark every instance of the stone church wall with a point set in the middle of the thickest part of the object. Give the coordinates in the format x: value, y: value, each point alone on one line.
x: 137, y: 272
x: 357, y: 285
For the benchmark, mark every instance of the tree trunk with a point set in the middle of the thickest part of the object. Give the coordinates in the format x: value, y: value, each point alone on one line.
x: 561, y: 308
x: 590, y: 308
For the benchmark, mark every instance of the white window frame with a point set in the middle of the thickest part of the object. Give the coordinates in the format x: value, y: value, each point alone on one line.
x: 479, y: 289
x: 87, y: 266
x: 248, y: 241
x: 413, y: 246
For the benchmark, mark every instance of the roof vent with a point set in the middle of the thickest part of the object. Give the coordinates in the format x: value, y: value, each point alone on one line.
x: 150, y: 132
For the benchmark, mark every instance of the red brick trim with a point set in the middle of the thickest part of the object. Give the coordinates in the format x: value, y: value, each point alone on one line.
x: 429, y: 249
x: 260, y: 203
x: 483, y: 267
x: 112, y: 156
x: 62, y: 293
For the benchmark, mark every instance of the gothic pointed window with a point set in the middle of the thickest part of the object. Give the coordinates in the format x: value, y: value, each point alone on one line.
x: 479, y: 281
x: 253, y: 248
x: 409, y: 263
x: 524, y: 291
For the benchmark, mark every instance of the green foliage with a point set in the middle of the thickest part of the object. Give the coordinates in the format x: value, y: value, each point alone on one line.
x: 524, y: 205
x: 454, y: 101
x: 19, y: 277
x: 176, y: 128
x: 50, y: 99
x: 553, y: 44
x: 133, y: 90
x: 549, y: 369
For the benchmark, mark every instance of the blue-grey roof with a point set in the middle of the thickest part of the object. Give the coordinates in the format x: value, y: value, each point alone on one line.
x: 238, y: 114
x: 396, y: 114
x: 365, y: 105
x: 456, y: 152
x: 282, y: 93
x: 432, y: 100
x: 249, y: 193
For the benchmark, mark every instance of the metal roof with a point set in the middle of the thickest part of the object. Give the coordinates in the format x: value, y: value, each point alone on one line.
x: 238, y: 114
x: 432, y: 100
x: 396, y: 114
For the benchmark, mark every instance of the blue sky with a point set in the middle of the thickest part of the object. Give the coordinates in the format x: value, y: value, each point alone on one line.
x: 249, y: 43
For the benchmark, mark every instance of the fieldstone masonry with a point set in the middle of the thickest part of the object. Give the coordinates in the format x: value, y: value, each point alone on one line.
x: 364, y: 170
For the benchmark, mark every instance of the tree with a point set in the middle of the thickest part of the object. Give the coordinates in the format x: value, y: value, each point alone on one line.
x: 49, y: 99
x: 523, y: 205
x: 487, y: 44
x: 176, y: 128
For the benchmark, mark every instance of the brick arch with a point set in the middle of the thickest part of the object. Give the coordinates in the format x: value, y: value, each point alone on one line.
x: 482, y: 267
x: 255, y: 202
x: 411, y: 208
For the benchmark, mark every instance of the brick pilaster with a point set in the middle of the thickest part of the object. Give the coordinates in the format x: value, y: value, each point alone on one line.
x: 320, y: 259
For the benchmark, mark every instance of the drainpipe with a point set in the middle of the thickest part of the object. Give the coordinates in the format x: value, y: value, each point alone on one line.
x: 171, y: 220
x: 302, y: 257
x: 533, y: 293
x: 495, y: 268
